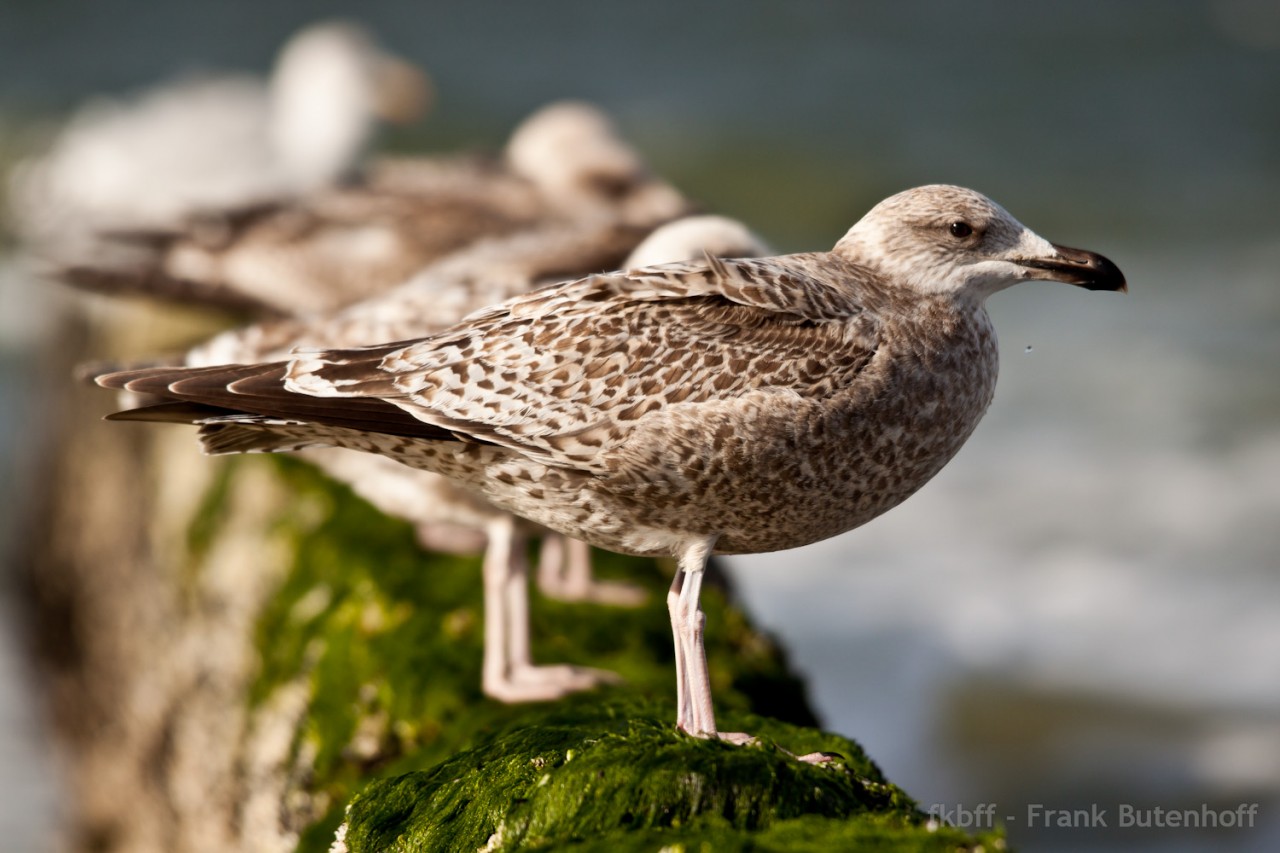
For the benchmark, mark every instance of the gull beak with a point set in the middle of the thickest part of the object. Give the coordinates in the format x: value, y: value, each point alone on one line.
x: 1076, y: 266
x: 403, y: 93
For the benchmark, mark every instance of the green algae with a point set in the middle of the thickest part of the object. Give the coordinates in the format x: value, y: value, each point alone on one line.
x: 389, y: 643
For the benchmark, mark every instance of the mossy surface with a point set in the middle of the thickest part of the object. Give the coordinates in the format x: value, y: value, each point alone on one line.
x: 389, y: 639
x: 618, y: 777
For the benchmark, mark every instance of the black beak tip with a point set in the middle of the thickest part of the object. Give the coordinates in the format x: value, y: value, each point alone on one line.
x: 1086, y: 269
x: 1107, y: 276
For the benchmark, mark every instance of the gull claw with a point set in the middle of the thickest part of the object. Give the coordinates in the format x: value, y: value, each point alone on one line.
x: 744, y: 739
x: 738, y: 738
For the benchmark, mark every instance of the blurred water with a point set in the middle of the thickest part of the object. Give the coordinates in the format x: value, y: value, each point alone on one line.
x: 1085, y: 606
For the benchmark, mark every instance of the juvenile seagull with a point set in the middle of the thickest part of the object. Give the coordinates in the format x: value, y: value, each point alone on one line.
x: 727, y: 406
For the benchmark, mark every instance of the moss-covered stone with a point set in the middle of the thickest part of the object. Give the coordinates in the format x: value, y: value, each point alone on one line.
x: 389, y: 642
x: 616, y: 776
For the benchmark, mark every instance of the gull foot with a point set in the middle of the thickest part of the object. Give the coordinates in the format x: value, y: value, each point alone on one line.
x: 546, y: 683
x: 744, y: 739
x: 738, y: 738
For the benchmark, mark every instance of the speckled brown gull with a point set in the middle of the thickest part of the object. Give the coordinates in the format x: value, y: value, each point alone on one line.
x: 682, y: 410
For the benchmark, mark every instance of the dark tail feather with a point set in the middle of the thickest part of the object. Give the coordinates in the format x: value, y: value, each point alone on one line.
x: 171, y: 413
x: 259, y: 390
x: 121, y: 379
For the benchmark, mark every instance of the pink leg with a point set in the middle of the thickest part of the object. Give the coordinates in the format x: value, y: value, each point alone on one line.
x: 496, y: 567
x: 551, y: 565
x: 515, y: 599
x: 695, y: 713
x: 683, y: 719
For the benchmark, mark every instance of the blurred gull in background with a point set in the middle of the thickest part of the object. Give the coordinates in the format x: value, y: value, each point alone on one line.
x: 338, y: 245
x: 217, y: 142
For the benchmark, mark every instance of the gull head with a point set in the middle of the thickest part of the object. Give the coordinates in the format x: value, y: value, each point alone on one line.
x: 572, y: 152
x: 342, y: 60
x: 692, y: 237
x: 331, y: 85
x: 944, y: 239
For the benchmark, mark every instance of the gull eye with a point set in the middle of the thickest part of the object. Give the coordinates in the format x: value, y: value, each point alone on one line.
x: 960, y: 229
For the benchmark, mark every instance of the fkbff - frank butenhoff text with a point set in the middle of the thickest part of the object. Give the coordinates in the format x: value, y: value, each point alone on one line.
x: 1123, y: 815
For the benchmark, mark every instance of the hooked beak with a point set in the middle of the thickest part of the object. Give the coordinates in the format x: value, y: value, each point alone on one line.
x: 1076, y: 266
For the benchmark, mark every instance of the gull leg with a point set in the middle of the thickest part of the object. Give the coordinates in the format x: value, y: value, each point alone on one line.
x: 551, y: 565
x: 564, y: 573
x: 683, y: 719
x: 496, y: 566
x: 515, y: 600
x: 509, y: 674
x: 698, y: 680
x: 694, y: 714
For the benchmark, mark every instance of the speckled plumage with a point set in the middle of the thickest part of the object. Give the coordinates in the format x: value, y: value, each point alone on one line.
x: 729, y: 406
